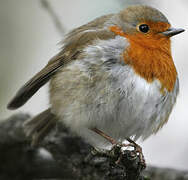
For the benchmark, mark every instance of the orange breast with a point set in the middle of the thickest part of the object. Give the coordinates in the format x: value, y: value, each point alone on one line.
x: 150, y: 58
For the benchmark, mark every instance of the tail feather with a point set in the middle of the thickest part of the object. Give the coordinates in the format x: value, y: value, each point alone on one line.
x: 38, y: 127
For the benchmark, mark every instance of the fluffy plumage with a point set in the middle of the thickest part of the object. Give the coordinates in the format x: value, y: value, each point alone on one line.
x: 100, y: 91
x: 110, y: 79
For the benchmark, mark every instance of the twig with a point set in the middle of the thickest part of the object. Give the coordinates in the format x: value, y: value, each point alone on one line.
x: 58, y: 24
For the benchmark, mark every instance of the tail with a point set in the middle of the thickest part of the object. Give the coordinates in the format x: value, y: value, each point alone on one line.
x: 38, y: 127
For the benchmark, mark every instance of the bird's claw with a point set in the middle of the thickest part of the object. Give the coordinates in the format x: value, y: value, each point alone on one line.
x: 117, y: 149
x: 138, y: 150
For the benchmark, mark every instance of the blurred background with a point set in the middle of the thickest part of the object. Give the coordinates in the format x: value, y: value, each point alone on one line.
x: 28, y: 39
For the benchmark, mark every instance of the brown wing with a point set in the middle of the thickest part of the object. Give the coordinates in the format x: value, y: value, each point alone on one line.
x: 32, y: 86
x: 74, y: 43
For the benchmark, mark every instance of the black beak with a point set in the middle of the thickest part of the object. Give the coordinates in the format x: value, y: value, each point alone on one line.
x: 172, y: 32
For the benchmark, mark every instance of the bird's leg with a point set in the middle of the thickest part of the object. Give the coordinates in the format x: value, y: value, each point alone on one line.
x: 117, y: 145
x: 101, y: 133
x: 111, y: 140
x: 138, y: 150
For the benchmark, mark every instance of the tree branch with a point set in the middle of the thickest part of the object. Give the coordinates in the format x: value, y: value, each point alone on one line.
x: 66, y: 157
x: 48, y: 7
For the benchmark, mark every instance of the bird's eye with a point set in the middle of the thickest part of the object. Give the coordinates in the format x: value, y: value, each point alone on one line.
x: 144, y: 28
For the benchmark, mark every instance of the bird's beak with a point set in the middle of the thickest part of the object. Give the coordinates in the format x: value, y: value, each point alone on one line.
x: 173, y: 31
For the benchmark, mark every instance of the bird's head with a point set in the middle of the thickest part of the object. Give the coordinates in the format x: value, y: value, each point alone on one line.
x: 145, y: 25
x: 148, y: 32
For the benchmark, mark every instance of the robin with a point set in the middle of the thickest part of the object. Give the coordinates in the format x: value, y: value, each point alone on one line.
x: 113, y: 80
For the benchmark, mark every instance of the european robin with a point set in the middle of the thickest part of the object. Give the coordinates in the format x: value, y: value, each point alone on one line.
x: 113, y: 80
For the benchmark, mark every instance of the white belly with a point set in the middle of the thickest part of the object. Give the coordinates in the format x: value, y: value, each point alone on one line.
x: 117, y: 101
x: 97, y: 93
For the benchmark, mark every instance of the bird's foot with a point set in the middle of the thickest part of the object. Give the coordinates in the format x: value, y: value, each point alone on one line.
x: 117, y: 150
x: 118, y: 147
x: 120, y: 156
x: 137, y: 150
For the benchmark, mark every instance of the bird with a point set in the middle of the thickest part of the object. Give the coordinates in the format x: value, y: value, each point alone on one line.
x: 113, y: 80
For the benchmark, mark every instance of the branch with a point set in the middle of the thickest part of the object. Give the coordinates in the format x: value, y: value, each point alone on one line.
x: 60, y: 28
x: 125, y: 3
x: 65, y: 157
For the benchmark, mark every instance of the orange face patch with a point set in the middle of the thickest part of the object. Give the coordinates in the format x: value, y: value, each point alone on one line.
x: 150, y: 55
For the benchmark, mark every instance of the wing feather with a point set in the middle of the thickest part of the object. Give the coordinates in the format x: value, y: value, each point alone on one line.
x: 41, y: 78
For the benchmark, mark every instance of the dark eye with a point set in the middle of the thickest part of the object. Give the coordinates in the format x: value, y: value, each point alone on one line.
x: 144, y: 28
